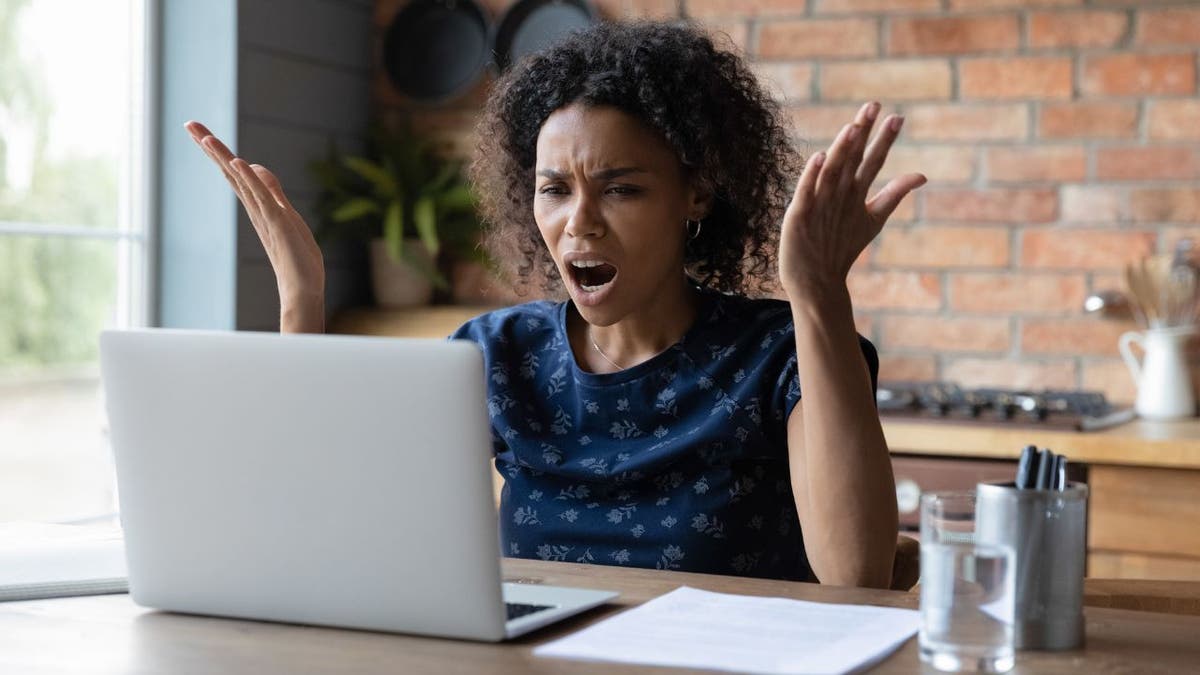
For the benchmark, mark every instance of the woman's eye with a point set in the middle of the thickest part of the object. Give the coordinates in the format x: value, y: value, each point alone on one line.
x: 622, y: 190
x: 551, y: 190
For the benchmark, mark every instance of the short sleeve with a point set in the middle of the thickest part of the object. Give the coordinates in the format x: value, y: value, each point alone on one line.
x: 505, y: 336
x: 468, y: 331
x: 786, y: 393
x: 484, y: 332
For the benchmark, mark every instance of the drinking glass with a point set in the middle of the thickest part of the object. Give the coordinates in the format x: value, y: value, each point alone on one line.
x: 966, y: 590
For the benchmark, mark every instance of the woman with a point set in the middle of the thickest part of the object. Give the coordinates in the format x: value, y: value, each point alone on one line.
x: 655, y: 417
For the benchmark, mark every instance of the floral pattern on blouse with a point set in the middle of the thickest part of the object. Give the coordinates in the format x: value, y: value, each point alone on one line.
x: 677, y: 463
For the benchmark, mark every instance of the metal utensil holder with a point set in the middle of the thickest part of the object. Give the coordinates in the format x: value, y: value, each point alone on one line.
x: 1047, y: 531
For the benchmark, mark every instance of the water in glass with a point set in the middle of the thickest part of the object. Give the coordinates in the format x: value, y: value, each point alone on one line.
x: 966, y: 607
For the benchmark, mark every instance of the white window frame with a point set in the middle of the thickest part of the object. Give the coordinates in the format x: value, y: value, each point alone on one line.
x: 135, y: 235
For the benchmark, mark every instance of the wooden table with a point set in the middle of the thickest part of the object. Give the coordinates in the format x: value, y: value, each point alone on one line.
x: 109, y: 634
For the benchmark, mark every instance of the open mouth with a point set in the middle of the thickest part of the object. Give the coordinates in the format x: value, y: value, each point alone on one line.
x: 592, y: 275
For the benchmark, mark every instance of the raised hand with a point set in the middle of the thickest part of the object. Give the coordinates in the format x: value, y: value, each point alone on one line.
x: 294, y: 255
x: 830, y: 220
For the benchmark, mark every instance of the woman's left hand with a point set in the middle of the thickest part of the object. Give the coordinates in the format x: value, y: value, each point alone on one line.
x: 830, y: 220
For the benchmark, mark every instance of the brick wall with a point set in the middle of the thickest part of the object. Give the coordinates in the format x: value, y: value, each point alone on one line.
x: 1061, y: 139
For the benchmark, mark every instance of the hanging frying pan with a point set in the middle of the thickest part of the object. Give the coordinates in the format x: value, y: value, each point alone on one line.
x: 532, y: 25
x: 435, y: 50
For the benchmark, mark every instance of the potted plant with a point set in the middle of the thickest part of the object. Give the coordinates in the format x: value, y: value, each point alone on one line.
x: 414, y: 208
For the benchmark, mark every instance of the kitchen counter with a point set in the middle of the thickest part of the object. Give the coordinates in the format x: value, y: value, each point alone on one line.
x: 1143, y: 478
x: 1138, y: 443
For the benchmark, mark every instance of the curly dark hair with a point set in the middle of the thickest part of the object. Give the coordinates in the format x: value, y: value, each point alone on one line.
x: 724, y: 128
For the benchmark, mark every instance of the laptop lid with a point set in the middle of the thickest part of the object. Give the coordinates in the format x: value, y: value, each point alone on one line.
x: 324, y: 479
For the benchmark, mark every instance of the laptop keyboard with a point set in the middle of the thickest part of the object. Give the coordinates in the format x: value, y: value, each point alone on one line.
x: 516, y: 610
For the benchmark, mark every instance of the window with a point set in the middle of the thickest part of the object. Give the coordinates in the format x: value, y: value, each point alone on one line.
x: 74, y: 241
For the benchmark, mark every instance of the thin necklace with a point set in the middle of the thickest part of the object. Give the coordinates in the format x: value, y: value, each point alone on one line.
x: 602, y: 354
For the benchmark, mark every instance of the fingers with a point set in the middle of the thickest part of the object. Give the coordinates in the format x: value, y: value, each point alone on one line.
x: 251, y: 192
x: 264, y: 202
x: 236, y: 171
x: 227, y: 170
x: 835, y: 162
x: 291, y: 221
x: 226, y: 160
x: 253, y: 181
x: 197, y: 130
x: 855, y: 159
x: 864, y: 120
x: 216, y: 150
x: 881, y: 206
x: 802, y: 198
x: 272, y: 184
x: 211, y: 144
x: 218, y: 153
x: 877, y: 152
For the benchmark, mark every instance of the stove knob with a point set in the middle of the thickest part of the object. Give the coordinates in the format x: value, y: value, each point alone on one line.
x: 908, y: 495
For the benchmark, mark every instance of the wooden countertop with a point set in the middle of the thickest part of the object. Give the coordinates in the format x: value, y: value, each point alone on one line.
x: 1138, y: 443
x: 107, y: 634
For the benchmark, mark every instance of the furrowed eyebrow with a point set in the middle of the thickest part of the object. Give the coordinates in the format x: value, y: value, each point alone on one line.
x: 552, y: 174
x: 606, y: 174
x: 609, y: 174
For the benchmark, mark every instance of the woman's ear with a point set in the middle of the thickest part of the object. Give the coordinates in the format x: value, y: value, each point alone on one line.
x: 700, y: 200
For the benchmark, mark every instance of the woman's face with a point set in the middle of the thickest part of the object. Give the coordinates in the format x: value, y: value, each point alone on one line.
x: 610, y: 201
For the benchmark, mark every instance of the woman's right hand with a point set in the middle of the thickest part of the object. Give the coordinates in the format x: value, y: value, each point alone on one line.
x: 293, y: 253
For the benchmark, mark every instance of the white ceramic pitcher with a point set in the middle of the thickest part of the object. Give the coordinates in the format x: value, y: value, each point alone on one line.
x: 1164, y: 385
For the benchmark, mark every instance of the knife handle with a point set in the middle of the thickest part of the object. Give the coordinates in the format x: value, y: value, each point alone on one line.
x: 1025, y: 467
x: 1044, y: 469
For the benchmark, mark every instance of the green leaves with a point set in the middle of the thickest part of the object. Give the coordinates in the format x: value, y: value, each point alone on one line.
x: 393, y: 230
x: 400, y: 187
x: 425, y: 219
x: 353, y: 209
x: 457, y: 199
x: 376, y: 175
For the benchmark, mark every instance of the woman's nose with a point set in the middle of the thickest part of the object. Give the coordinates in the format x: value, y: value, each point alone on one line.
x: 584, y: 221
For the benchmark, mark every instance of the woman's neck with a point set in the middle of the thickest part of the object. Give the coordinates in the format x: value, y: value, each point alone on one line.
x: 640, y: 335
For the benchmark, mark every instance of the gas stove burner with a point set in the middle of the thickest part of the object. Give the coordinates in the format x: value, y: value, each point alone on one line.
x: 1082, y: 410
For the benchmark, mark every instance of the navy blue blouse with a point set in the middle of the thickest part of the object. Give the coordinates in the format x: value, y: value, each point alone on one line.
x: 678, y: 463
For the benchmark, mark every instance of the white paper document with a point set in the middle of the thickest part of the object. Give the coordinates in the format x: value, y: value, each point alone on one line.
x: 46, y: 561
x: 699, y: 629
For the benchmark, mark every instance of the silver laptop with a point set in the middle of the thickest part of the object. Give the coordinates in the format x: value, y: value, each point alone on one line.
x: 330, y: 480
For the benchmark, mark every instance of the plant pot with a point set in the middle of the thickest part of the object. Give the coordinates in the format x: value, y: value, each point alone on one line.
x: 398, y: 284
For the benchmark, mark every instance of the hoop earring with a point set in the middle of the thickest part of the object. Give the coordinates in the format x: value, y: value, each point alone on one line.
x: 687, y: 225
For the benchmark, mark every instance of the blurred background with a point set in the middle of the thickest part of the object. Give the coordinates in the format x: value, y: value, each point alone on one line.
x: 1061, y: 139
